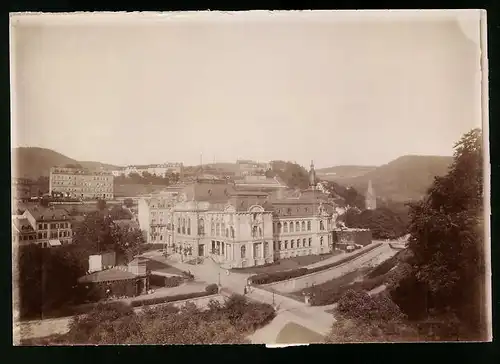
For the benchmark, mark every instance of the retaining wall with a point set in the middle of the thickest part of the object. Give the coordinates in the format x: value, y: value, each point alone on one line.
x: 299, y: 283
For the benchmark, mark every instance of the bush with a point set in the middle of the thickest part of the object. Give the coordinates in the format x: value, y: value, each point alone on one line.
x: 212, y: 289
x: 157, y: 300
x: 360, y: 305
x: 266, y: 278
x: 383, y: 268
x: 247, y: 316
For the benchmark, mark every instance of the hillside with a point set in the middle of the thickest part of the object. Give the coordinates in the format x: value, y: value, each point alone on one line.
x: 339, y: 172
x: 33, y: 162
x: 404, y: 179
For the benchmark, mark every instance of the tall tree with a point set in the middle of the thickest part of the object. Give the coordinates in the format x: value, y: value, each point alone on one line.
x: 447, y: 236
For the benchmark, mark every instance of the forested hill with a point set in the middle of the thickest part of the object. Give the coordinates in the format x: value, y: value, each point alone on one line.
x: 34, y: 162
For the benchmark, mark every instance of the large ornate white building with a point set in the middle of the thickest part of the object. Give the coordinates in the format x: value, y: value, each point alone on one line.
x: 239, y: 227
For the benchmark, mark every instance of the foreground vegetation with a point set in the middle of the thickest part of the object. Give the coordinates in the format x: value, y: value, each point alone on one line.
x: 227, y: 323
x: 438, y: 293
x: 48, y: 278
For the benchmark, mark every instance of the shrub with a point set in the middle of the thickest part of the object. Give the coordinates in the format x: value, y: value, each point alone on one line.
x: 266, y: 278
x: 383, y: 268
x: 360, y: 305
x: 212, y: 288
x: 247, y: 316
x: 157, y: 300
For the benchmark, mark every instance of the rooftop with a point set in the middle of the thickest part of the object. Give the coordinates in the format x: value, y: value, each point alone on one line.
x: 23, y: 225
x: 108, y: 275
x: 48, y: 214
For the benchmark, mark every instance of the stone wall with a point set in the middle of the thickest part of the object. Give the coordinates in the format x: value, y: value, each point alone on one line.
x: 299, y: 283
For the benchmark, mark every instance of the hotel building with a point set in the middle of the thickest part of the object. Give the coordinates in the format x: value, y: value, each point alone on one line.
x: 239, y: 227
x: 81, y: 183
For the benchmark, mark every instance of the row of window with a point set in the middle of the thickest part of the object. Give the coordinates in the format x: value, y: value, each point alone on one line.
x: 62, y: 225
x: 279, y: 245
x: 296, y: 226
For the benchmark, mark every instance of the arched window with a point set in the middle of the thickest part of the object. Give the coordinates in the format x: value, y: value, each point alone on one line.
x: 308, y: 226
x: 298, y: 243
x: 279, y: 228
x: 292, y: 243
x: 254, y: 231
x: 201, y: 227
x: 303, y: 226
x: 286, y: 244
x: 232, y: 232
x: 291, y: 227
x: 321, y: 241
x: 304, y: 242
x: 310, y: 241
x: 243, y: 251
x: 321, y: 225
x: 285, y: 227
x: 297, y: 226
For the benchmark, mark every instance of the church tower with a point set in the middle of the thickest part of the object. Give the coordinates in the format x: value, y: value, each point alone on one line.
x: 312, y: 176
x: 371, y: 198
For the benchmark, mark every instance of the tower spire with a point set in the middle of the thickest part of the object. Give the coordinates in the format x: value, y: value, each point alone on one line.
x: 312, y: 175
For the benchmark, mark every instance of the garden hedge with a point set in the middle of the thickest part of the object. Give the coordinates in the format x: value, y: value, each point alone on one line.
x: 179, y: 297
x: 266, y: 278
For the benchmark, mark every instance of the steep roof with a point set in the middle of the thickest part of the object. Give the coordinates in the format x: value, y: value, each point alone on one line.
x: 23, y: 225
x: 108, y: 275
x: 49, y: 214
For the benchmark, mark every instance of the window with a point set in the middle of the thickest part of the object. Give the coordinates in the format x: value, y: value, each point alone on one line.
x: 321, y: 241
x: 308, y: 226
x: 161, y: 237
x: 297, y: 226
x: 321, y: 225
x: 232, y: 232
x: 291, y: 227
x: 40, y: 226
x: 304, y: 242
x: 286, y: 244
x: 280, y: 245
x: 212, y: 228
x: 289, y: 211
x: 274, y: 245
x: 45, y: 226
x: 39, y: 235
x: 303, y: 226
x: 260, y: 231
x: 279, y: 228
x: 189, y: 226
x: 178, y: 225
x: 298, y: 243
x: 243, y: 251
x: 310, y: 241
x: 292, y: 243
x: 285, y: 227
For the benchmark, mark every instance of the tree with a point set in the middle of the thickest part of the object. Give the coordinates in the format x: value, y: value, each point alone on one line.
x: 447, y: 237
x: 128, y: 202
x: 101, y: 205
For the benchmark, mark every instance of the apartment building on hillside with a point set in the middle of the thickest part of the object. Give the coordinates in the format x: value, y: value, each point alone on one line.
x: 81, y: 183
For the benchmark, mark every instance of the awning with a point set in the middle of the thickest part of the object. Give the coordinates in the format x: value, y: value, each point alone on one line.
x: 54, y: 242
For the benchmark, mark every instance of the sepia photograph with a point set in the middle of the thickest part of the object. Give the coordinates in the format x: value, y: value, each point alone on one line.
x: 250, y: 177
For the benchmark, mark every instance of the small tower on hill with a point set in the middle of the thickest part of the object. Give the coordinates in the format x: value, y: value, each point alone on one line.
x: 371, y: 198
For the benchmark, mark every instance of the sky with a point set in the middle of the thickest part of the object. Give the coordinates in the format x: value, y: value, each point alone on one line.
x: 339, y: 90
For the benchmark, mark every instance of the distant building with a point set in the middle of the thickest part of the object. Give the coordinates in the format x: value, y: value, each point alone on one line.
x: 248, y: 167
x: 81, y: 183
x: 371, y: 198
x: 160, y: 170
